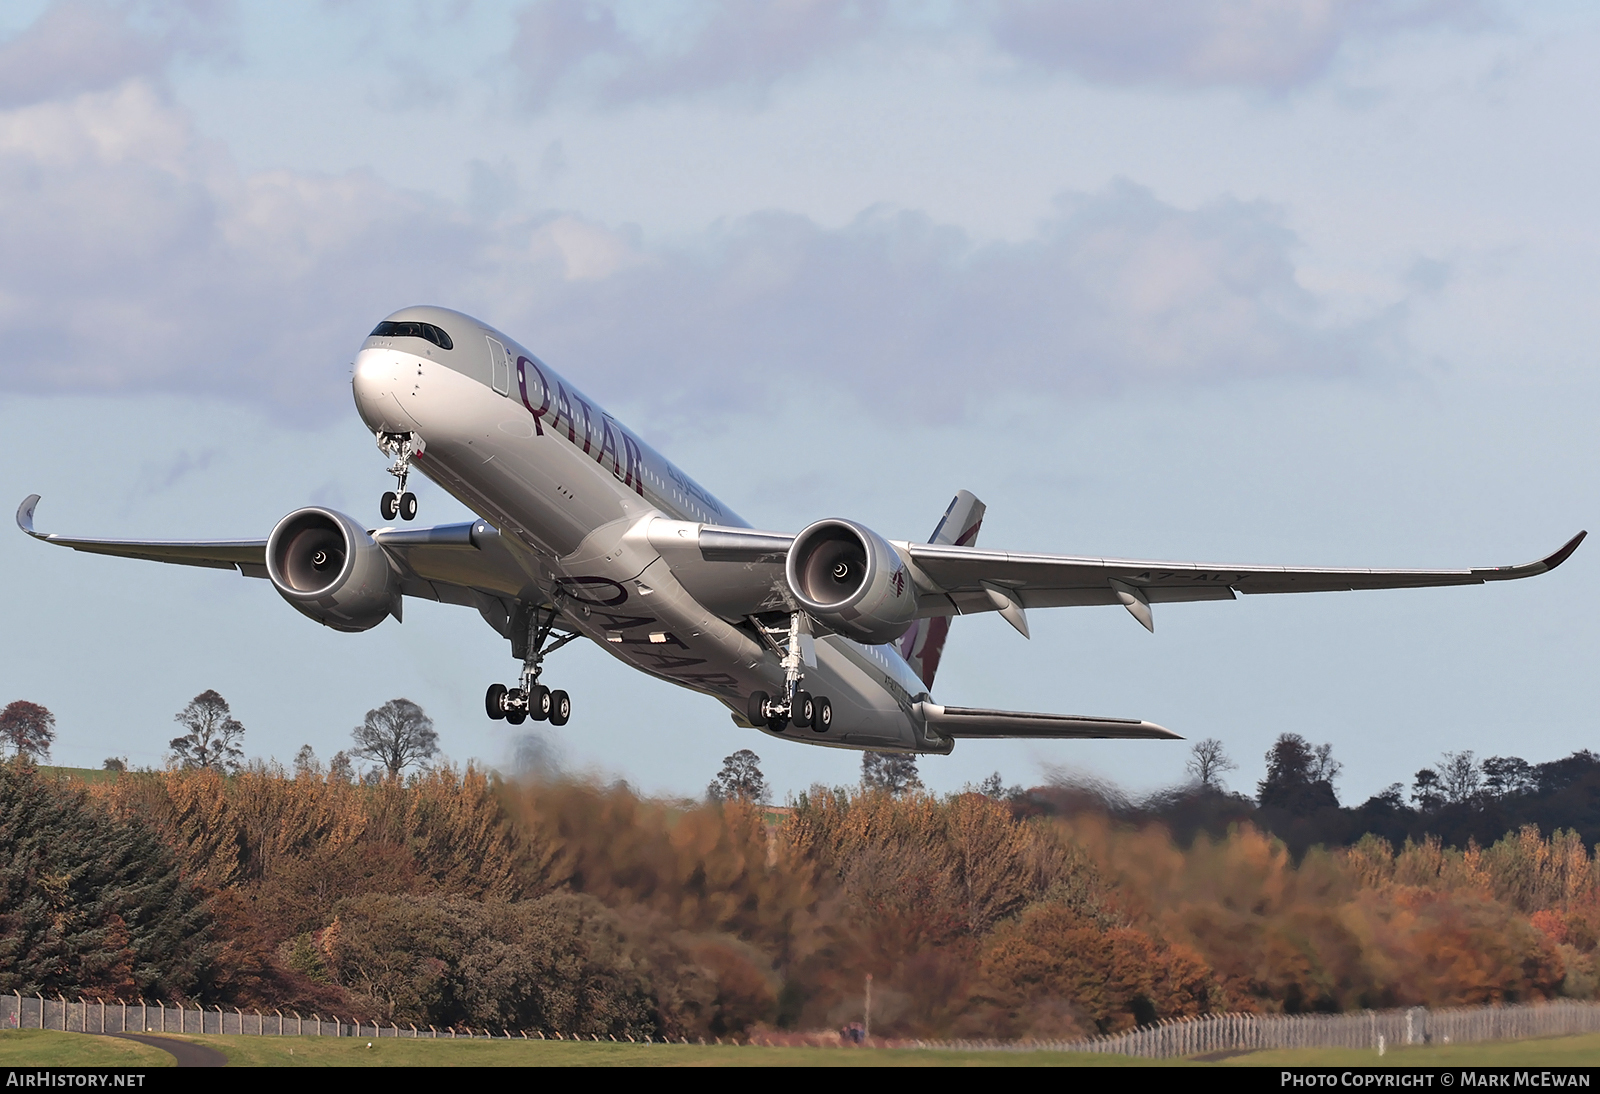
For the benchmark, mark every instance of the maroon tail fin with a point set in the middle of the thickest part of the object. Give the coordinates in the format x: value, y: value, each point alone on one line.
x: 923, y: 644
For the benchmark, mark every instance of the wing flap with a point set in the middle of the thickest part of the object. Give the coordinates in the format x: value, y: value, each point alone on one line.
x: 976, y: 723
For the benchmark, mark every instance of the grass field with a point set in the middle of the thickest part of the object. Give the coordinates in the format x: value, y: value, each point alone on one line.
x: 44, y: 1048
x: 48, y: 1048
x: 1582, y: 1051
x: 87, y: 774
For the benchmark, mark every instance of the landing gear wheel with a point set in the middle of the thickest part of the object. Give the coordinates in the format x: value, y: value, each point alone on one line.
x: 408, y: 506
x: 560, y: 708
x: 540, y: 703
x: 516, y: 706
x: 389, y: 505
x: 822, y: 715
x: 494, y: 701
x: 804, y: 710
x: 757, y: 709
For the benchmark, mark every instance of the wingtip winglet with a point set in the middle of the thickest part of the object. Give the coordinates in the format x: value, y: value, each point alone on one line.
x: 25, y: 515
x: 1533, y: 569
x: 1565, y: 552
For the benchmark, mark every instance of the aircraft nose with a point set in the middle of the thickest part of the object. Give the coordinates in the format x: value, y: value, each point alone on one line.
x: 373, y: 385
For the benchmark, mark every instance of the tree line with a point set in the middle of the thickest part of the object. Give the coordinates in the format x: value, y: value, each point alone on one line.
x: 1460, y: 800
x: 456, y: 897
x: 395, y: 737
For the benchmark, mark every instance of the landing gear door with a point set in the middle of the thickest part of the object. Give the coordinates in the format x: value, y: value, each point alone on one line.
x: 499, y: 368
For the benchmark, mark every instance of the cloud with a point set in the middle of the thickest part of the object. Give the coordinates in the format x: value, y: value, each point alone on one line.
x: 613, y: 54
x: 899, y: 312
x: 81, y: 45
x: 136, y: 256
x: 595, y: 49
x: 1270, y: 44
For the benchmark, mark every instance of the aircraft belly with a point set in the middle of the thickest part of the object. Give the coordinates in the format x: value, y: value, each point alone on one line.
x: 866, y: 713
x: 644, y: 618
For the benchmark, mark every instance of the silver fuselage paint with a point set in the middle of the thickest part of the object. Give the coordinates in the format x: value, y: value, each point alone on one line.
x: 599, y: 517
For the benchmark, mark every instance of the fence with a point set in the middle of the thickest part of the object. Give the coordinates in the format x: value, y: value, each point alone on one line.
x: 1175, y: 1037
x: 1367, y: 1030
x: 19, y: 1011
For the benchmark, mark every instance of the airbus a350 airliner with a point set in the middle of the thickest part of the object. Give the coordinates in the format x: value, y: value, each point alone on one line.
x: 830, y: 636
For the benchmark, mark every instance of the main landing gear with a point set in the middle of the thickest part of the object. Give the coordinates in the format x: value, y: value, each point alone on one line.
x: 794, y: 707
x: 401, y: 502
x: 531, y: 699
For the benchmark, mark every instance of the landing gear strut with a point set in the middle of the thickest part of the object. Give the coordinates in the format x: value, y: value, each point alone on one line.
x: 531, y: 699
x: 794, y: 707
x: 400, y: 502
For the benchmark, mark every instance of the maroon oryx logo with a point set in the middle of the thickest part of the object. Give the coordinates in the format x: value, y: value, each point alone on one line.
x: 899, y: 582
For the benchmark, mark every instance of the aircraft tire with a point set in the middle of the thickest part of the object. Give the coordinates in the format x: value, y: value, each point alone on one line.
x: 408, y: 506
x: 757, y: 708
x: 539, y: 703
x: 805, y: 709
x: 494, y: 701
x: 516, y: 717
x: 389, y: 505
x: 560, y: 708
x: 822, y: 716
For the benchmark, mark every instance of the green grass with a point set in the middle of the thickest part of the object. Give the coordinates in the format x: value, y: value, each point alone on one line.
x: 84, y: 774
x: 52, y: 1048
x: 1580, y: 1051
x: 403, y: 1052
x: 353, y: 1052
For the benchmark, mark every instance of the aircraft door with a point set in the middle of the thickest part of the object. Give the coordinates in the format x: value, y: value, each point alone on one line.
x: 499, y: 368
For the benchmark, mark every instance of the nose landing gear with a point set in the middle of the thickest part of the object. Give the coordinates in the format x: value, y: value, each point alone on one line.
x: 794, y: 707
x: 403, y: 447
x: 532, y: 699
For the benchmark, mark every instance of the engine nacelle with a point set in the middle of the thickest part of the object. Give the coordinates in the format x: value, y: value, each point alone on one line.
x: 848, y: 576
x: 327, y: 566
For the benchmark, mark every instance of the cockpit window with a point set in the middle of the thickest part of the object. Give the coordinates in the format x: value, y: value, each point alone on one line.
x: 434, y: 334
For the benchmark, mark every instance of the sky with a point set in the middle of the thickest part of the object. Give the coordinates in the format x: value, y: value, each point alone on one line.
x: 1249, y: 281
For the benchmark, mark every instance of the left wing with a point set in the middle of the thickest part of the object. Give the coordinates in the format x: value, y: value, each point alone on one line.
x: 979, y: 581
x: 954, y: 580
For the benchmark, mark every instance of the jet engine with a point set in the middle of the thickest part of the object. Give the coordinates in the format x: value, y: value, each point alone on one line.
x: 327, y: 566
x: 849, y: 578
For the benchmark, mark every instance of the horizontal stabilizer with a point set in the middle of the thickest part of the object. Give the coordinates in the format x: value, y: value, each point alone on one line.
x: 974, y: 722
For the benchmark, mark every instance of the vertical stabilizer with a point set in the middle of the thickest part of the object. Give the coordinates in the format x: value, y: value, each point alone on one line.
x: 923, y: 644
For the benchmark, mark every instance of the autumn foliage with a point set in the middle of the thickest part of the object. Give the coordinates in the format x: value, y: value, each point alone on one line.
x: 455, y: 898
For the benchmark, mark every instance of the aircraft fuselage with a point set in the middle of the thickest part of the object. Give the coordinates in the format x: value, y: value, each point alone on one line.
x: 593, y: 515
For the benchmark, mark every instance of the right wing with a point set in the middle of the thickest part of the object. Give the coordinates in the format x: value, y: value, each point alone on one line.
x: 468, y: 563
x: 248, y: 556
